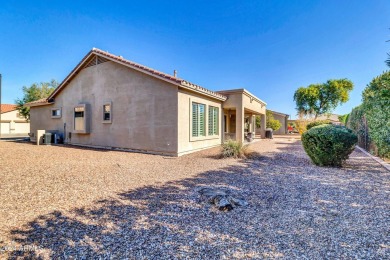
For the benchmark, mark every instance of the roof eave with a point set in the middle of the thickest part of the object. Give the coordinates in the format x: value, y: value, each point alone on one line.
x: 71, y: 74
x: 202, y: 91
x: 38, y: 104
x: 176, y: 82
x: 243, y: 91
x: 279, y: 113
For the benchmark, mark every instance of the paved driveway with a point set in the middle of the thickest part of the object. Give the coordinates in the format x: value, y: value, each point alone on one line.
x: 67, y: 202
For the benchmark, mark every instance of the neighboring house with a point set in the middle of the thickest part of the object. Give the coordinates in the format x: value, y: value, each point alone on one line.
x: 108, y: 101
x: 12, y: 123
x: 283, y: 119
x: 333, y: 118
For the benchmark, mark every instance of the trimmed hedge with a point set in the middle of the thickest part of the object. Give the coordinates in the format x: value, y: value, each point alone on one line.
x: 329, y: 145
x: 356, y: 122
x: 376, y: 105
x: 317, y: 123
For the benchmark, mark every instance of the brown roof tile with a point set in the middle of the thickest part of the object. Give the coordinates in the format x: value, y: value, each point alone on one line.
x: 120, y: 59
x: 7, y: 108
x: 37, y: 102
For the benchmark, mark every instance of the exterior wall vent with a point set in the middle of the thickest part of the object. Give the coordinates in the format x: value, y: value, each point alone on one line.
x: 95, y: 60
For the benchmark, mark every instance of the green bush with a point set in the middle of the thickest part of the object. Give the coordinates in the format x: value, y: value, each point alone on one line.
x: 271, y: 122
x: 346, y: 120
x: 274, y: 124
x: 356, y: 122
x: 233, y: 149
x: 376, y: 106
x: 317, y: 123
x: 343, y: 118
x: 329, y: 145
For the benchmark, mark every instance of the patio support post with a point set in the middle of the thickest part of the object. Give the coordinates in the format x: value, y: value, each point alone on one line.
x: 253, y: 130
x: 228, y: 122
x: 263, y: 125
x: 240, y: 123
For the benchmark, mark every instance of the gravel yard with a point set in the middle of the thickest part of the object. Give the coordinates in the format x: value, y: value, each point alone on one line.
x: 61, y: 202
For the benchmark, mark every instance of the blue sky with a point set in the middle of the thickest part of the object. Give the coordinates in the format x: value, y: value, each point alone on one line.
x: 268, y: 47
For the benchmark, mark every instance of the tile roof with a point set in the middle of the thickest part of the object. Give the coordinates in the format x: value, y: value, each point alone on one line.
x: 37, y: 102
x: 7, y: 108
x: 142, y: 67
x: 158, y: 74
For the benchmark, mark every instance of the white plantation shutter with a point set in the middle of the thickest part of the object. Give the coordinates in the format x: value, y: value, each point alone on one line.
x: 202, y: 126
x: 195, y: 119
x: 213, y: 120
x: 211, y: 113
x: 198, y: 120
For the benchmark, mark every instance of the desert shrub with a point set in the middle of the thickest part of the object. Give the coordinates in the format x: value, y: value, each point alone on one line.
x: 376, y: 106
x: 232, y: 148
x: 317, y: 123
x: 329, y: 145
x: 272, y: 122
x: 301, y: 124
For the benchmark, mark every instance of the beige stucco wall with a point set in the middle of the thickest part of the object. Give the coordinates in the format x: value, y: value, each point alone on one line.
x: 253, y: 104
x: 186, y: 143
x: 242, y: 103
x: 283, y: 120
x: 11, y: 123
x: 144, y: 109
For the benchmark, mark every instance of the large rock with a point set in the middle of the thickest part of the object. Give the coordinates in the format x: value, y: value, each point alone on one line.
x: 222, y: 199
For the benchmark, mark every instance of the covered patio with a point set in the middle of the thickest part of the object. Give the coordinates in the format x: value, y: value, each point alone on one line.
x: 239, y: 115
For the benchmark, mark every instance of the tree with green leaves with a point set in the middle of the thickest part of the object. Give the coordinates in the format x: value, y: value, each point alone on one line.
x: 343, y: 118
x: 258, y: 121
x: 271, y: 122
x: 33, y: 93
x: 319, y: 99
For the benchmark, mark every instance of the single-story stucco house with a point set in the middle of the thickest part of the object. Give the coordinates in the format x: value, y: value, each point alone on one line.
x: 108, y: 101
x: 12, y: 123
x: 283, y: 119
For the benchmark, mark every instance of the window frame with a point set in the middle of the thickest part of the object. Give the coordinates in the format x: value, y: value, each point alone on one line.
x: 198, y: 124
x: 214, y: 129
x: 86, y: 118
x: 207, y: 103
x: 109, y: 103
x: 56, y: 109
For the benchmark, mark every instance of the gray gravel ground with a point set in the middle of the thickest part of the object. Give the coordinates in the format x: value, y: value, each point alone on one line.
x: 63, y: 202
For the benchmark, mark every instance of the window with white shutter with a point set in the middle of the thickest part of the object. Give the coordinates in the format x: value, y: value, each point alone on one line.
x: 213, y: 120
x: 198, y: 119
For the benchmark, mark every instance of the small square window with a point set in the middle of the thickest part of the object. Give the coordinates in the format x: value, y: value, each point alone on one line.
x: 56, y: 113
